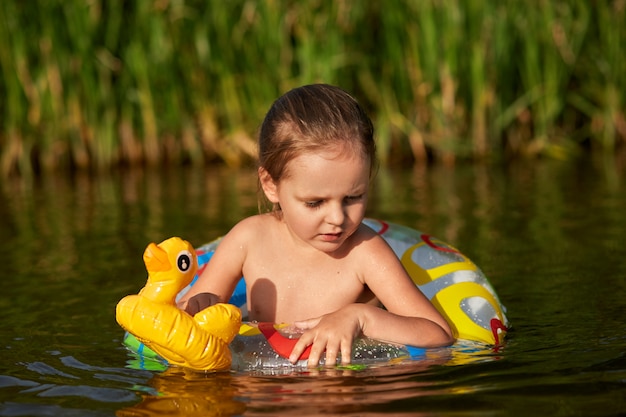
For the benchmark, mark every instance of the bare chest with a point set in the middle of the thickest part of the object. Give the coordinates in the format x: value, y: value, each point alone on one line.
x: 285, y: 288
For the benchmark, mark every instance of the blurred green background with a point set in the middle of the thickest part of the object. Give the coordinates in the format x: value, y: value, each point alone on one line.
x: 95, y: 84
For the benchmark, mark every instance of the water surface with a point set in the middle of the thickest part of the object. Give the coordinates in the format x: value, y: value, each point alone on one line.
x: 550, y: 237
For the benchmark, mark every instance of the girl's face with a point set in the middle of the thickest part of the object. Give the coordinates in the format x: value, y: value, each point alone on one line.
x: 322, y: 198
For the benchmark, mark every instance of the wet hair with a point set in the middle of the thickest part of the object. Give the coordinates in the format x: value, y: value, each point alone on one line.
x: 314, y: 118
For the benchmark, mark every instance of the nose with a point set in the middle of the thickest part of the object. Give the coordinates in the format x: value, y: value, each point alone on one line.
x: 335, y: 214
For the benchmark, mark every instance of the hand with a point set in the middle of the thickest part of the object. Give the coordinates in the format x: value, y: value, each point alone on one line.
x: 332, y: 333
x: 198, y: 302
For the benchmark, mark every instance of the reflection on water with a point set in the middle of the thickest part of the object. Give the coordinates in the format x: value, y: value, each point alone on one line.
x: 549, y: 236
x: 313, y: 392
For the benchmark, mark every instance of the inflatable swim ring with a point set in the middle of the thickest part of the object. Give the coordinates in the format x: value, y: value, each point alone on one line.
x: 453, y: 283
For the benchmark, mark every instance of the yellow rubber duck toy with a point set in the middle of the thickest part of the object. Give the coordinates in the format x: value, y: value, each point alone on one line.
x: 199, y: 342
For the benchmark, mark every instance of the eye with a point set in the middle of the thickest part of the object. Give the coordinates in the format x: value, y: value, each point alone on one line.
x: 354, y: 198
x: 313, y: 204
x: 183, y: 261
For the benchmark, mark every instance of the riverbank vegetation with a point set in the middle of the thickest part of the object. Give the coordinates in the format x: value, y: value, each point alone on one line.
x: 95, y: 84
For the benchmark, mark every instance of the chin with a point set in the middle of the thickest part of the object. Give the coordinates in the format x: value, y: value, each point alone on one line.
x: 329, y: 247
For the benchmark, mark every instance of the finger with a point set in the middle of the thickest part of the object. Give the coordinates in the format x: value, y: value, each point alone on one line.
x: 346, y: 353
x: 298, y: 349
x: 315, y: 355
x: 331, y: 356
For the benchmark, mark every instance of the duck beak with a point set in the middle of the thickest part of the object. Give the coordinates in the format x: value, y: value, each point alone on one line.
x: 156, y: 259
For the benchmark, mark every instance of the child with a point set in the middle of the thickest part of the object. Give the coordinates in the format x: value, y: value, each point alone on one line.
x: 310, y: 261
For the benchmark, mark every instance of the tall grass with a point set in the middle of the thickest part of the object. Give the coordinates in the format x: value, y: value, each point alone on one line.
x: 99, y: 83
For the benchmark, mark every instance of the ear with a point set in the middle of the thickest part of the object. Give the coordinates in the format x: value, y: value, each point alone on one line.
x: 268, y: 185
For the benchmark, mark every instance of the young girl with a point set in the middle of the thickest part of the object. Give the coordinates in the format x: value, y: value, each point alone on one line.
x: 310, y: 261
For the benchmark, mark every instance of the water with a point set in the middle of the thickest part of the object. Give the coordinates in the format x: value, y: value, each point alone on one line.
x: 550, y: 237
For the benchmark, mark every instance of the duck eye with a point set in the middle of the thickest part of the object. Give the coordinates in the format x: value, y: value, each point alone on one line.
x: 183, y: 261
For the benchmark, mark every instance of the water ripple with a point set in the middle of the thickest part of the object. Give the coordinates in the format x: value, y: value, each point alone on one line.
x: 16, y: 409
x: 45, y: 369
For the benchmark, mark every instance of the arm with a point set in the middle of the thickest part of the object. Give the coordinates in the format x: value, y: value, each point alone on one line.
x: 219, y: 278
x: 409, y: 318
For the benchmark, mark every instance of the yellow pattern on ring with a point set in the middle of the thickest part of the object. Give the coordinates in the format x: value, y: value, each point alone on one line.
x: 421, y: 276
x: 448, y: 300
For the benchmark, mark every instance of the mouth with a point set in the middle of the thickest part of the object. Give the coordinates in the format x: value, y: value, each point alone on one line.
x: 331, y: 237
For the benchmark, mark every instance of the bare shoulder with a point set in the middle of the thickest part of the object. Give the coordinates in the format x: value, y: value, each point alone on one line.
x: 250, y: 226
x: 373, y: 258
x: 236, y: 246
x: 369, y: 247
x: 248, y: 230
x: 366, y: 240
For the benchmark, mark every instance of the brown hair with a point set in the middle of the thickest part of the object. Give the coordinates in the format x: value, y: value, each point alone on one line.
x: 313, y: 118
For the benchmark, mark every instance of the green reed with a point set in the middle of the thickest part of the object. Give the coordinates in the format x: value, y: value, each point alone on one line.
x: 90, y: 85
